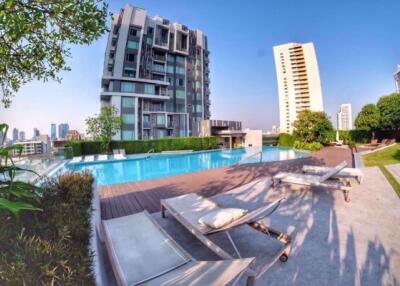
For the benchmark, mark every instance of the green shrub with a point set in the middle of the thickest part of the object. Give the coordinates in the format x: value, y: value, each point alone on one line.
x: 68, y: 152
x: 313, y: 146
x: 53, y: 246
x: 355, y: 135
x: 143, y: 146
x: 286, y: 140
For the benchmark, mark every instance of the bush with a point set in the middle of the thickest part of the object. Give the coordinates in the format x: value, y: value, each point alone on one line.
x: 53, y: 246
x: 68, y: 152
x: 312, y: 126
x: 313, y: 146
x: 286, y: 140
x: 142, y: 146
x: 355, y: 136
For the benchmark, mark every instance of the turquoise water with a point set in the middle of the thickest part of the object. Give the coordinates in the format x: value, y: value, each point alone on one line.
x: 159, y: 165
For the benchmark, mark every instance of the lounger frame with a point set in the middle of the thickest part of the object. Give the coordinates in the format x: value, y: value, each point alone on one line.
x: 253, y: 273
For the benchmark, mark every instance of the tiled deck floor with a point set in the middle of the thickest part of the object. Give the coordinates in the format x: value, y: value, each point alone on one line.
x: 124, y: 199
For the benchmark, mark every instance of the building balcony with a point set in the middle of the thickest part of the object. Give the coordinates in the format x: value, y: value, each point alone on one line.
x: 146, y: 125
x: 160, y: 58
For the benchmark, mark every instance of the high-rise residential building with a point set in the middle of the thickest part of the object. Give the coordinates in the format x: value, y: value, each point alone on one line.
x: 63, y: 129
x: 299, y: 85
x: 397, y: 79
x: 22, y: 136
x: 53, y: 131
x: 156, y: 73
x: 344, y: 117
x: 36, y: 133
x: 15, y: 135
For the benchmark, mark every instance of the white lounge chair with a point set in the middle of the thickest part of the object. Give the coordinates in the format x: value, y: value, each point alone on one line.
x: 142, y: 253
x: 102, y: 157
x: 322, y: 181
x: 119, y: 157
x: 189, y: 208
x: 89, y: 158
x: 345, y: 173
x: 76, y: 160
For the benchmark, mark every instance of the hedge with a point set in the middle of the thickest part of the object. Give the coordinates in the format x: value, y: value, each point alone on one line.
x: 358, y: 136
x: 286, y: 140
x: 142, y: 146
x: 50, y: 247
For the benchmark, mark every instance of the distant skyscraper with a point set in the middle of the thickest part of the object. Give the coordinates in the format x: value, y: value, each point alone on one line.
x: 36, y: 133
x: 397, y: 78
x: 344, y: 117
x: 53, y: 132
x: 15, y: 134
x: 299, y: 85
x: 63, y: 129
x: 22, y: 136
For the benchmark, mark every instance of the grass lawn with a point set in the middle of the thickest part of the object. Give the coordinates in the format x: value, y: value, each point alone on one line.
x: 387, y: 156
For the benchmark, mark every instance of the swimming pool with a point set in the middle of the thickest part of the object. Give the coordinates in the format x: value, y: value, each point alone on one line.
x: 162, y: 165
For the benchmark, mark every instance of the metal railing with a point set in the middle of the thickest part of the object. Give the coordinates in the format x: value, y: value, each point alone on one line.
x: 250, y: 156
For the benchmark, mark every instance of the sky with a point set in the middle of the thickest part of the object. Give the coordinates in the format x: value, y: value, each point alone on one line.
x: 357, y: 44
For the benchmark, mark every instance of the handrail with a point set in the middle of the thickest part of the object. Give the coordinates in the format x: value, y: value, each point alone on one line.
x: 258, y: 153
x: 150, y: 151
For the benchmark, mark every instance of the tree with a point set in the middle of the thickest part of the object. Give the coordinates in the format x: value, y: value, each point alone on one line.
x: 389, y: 109
x: 35, y: 34
x: 368, y: 119
x: 312, y: 126
x: 104, y: 126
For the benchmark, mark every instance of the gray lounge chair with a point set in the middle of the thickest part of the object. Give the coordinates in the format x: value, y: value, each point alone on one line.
x: 345, y: 173
x: 322, y: 181
x: 142, y: 253
x: 189, y: 208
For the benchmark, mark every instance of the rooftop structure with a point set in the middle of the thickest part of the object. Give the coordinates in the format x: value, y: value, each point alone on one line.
x: 299, y: 83
x: 32, y: 147
x: 156, y: 73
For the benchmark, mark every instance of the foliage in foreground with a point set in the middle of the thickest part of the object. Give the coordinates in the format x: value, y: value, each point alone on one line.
x: 53, y: 246
x: 143, y: 146
x: 35, y: 36
x: 368, y: 119
x: 311, y: 126
x: 15, y: 196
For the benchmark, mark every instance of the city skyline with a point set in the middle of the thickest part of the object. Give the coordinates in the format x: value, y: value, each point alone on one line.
x: 242, y: 68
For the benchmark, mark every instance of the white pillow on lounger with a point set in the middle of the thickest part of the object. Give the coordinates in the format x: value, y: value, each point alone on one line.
x: 221, y: 217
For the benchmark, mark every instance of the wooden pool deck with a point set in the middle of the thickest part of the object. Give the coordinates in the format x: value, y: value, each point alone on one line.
x: 128, y: 198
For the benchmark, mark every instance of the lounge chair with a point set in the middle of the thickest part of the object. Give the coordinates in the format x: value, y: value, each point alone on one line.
x: 322, y: 181
x: 189, y: 208
x: 102, y: 157
x: 344, y: 173
x: 119, y: 157
x: 142, y: 253
x: 89, y: 158
x: 76, y: 160
x: 119, y: 151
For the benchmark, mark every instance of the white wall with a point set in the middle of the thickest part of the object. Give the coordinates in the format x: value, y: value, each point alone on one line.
x: 253, y: 138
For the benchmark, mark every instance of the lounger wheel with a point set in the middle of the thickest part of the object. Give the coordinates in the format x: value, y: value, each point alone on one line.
x: 284, y: 257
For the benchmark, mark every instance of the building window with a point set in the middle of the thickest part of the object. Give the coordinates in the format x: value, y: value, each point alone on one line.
x: 170, y: 58
x: 112, y: 54
x: 180, y: 70
x: 150, y: 30
x: 149, y: 89
x: 129, y: 72
x: 113, y: 42
x: 180, y: 82
x: 127, y: 87
x: 198, y: 108
x: 149, y: 40
x: 111, y: 86
x: 170, y: 92
x: 170, y: 69
x: 116, y: 29
x: 130, y: 57
x: 128, y: 102
x: 133, y: 32
x: 180, y: 107
x: 198, y: 84
x: 169, y: 79
x: 110, y: 68
x: 180, y: 59
x: 158, y: 68
x: 128, y: 135
x: 133, y: 45
x: 128, y: 118
x: 180, y: 94
x: 160, y: 119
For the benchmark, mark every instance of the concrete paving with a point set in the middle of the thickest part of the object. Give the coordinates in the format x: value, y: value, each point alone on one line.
x: 334, y: 242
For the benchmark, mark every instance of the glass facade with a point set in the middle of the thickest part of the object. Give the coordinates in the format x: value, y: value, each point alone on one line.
x: 149, y: 89
x: 127, y: 87
x: 128, y: 135
x: 128, y: 102
x: 128, y: 118
x: 133, y: 45
x: 180, y: 94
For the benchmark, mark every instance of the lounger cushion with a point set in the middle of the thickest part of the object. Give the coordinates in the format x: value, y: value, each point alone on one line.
x: 222, y: 216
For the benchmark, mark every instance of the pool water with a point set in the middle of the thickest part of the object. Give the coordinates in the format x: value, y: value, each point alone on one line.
x: 162, y: 165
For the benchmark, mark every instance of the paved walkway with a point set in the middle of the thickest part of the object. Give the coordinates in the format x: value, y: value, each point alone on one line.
x: 394, y: 169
